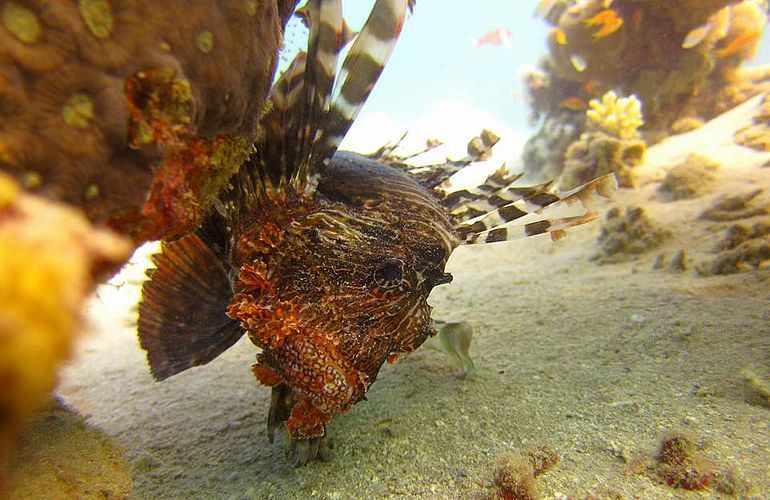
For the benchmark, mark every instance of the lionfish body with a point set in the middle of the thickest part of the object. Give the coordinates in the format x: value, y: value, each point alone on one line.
x: 324, y: 259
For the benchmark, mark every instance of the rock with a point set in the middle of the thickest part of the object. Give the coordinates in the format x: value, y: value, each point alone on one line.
x: 63, y: 457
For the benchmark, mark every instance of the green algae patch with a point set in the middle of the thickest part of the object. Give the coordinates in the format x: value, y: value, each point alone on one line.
x: 21, y: 22
x: 97, y: 15
x: 205, y: 41
x: 78, y: 111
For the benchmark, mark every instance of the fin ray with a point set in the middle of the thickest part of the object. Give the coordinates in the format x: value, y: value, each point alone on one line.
x: 502, y: 226
x: 361, y: 68
x: 182, y: 320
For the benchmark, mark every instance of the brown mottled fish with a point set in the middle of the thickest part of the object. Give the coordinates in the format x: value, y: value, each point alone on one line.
x: 324, y: 258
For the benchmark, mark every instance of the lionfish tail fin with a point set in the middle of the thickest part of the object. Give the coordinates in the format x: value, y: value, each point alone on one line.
x: 523, y: 217
x: 182, y: 321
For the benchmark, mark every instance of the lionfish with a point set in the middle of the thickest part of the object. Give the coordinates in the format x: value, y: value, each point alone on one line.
x: 324, y: 258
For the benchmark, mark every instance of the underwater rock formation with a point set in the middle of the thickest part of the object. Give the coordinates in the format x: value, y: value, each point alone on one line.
x: 757, y: 135
x: 50, y: 259
x: 135, y: 111
x: 63, y: 457
x: 611, y: 143
x: 627, y: 233
x: 742, y: 249
x: 735, y: 207
x: 681, y: 58
x: 689, y: 179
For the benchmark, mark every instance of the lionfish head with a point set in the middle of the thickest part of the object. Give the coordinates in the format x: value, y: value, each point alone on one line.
x: 382, y: 255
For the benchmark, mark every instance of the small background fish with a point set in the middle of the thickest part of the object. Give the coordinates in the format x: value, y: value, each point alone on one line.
x: 494, y: 38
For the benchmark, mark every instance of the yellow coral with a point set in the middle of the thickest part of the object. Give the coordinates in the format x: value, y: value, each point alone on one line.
x: 618, y: 116
x: 50, y: 256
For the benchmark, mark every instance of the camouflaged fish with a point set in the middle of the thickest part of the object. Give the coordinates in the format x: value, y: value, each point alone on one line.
x: 324, y: 258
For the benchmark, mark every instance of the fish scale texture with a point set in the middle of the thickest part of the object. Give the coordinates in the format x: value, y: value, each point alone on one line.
x: 98, y: 96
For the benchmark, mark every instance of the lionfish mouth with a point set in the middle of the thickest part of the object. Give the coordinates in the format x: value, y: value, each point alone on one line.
x: 439, y: 279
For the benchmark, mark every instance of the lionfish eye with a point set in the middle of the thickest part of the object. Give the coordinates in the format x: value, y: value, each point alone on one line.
x: 390, y: 273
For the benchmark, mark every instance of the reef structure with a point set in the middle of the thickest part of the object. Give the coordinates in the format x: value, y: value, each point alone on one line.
x: 611, y: 143
x: 128, y: 115
x: 135, y: 111
x: 682, y: 60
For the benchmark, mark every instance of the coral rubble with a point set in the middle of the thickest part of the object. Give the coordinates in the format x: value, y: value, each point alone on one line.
x: 516, y: 472
x: 135, y: 111
x: 679, y: 464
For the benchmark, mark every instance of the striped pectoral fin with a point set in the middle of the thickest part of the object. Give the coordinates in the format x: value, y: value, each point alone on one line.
x: 493, y: 193
x: 182, y: 320
x: 515, y: 220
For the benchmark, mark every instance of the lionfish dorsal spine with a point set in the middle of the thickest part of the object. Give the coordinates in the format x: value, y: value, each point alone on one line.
x: 325, y: 41
x: 312, y: 105
x: 360, y: 70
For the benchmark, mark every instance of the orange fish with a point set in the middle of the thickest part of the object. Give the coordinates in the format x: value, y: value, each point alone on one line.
x: 560, y: 36
x: 739, y: 43
x: 593, y: 88
x: 574, y: 103
x: 495, y: 38
x: 696, y: 36
x: 609, y: 23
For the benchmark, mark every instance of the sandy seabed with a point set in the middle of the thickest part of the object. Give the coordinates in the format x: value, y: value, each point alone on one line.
x: 596, y: 361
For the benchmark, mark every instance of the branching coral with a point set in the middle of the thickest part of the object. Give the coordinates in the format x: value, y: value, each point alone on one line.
x: 618, y: 116
x: 610, y: 145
